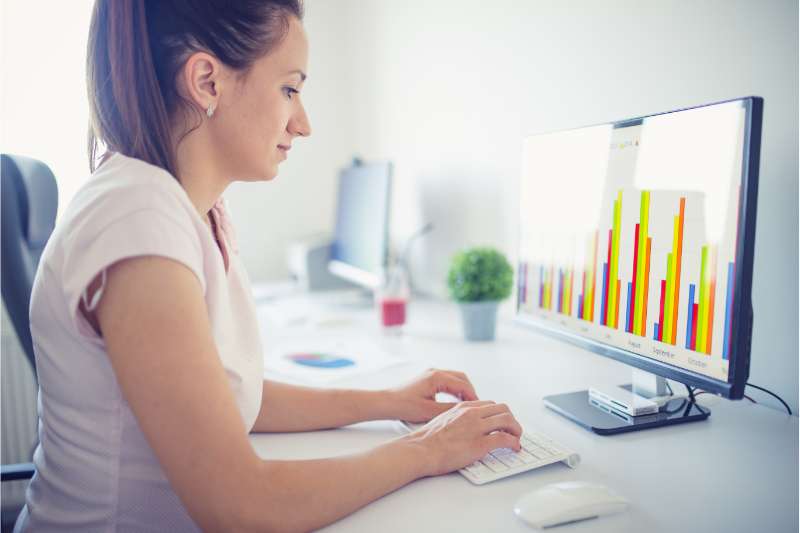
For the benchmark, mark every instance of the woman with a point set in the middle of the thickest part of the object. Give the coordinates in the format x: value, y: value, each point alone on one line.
x: 149, y: 360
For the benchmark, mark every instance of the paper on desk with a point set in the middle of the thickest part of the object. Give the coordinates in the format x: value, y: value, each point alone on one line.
x: 365, y: 355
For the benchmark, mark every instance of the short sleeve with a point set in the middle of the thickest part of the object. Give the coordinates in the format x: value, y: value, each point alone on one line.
x: 141, y: 232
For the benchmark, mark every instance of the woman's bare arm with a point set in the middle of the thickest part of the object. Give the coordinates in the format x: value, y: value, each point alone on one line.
x: 287, y: 407
x: 155, y: 325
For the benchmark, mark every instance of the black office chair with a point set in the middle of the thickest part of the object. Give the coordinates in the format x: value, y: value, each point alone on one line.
x: 29, y: 204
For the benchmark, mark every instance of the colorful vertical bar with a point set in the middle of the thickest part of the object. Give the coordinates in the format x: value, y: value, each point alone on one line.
x: 661, y: 311
x: 726, y: 339
x: 638, y: 316
x: 632, y: 292
x: 610, y: 308
x: 678, y: 253
x: 690, y: 317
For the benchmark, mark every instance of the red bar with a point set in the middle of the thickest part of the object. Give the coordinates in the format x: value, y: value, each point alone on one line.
x: 646, y: 286
x: 631, y: 304
x: 661, y: 311
x: 695, y: 320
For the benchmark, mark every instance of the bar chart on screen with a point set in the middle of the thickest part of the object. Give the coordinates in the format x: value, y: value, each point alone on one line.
x: 648, y: 273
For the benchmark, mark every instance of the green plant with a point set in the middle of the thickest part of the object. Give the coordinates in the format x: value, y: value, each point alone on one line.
x: 480, y: 274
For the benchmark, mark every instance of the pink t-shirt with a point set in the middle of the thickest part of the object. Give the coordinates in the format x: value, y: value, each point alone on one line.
x: 95, y: 471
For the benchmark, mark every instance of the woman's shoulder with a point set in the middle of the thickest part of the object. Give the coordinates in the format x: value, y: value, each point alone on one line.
x: 123, y: 186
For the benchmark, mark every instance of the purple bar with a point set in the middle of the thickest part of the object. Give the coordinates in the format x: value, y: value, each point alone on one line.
x: 603, y: 304
x: 560, y: 291
x: 580, y: 306
x: 690, y: 318
x: 628, y: 310
x: 728, y: 313
x: 541, y: 285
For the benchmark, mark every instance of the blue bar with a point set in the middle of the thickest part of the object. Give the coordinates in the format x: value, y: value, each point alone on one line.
x: 728, y: 312
x: 603, y: 302
x: 690, y: 318
x: 655, y: 331
x: 628, y: 310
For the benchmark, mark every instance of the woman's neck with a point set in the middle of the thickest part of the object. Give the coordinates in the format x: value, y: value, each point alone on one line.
x: 199, y: 173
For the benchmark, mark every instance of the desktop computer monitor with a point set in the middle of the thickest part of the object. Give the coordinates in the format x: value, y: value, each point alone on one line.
x: 359, y: 251
x: 636, y: 242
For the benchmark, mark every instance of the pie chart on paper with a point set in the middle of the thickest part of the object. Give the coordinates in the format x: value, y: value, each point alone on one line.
x: 320, y: 360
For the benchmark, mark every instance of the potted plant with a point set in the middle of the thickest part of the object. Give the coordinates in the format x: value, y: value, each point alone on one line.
x: 479, y: 279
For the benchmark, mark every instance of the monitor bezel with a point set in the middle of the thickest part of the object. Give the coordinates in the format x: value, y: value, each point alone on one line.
x: 741, y: 319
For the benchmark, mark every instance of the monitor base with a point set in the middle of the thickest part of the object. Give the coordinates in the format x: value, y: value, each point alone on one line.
x: 592, y: 415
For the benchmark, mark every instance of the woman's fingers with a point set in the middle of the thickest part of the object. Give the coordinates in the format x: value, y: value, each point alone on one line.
x: 472, y: 395
x: 502, y: 422
x: 501, y: 439
x: 493, y: 409
x: 451, y: 384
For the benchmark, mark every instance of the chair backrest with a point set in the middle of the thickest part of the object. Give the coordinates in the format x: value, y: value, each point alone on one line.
x: 29, y: 205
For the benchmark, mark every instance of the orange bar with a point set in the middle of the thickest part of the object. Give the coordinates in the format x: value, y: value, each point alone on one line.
x: 678, y: 273
x: 646, y: 288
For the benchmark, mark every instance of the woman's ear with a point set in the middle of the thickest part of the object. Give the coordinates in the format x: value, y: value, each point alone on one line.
x: 202, y: 78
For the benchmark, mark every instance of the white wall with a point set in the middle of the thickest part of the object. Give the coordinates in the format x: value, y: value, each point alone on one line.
x: 448, y: 89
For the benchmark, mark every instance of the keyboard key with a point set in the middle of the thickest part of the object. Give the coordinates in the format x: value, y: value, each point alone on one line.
x: 510, y: 460
x: 479, y: 470
x: 501, y: 451
x: 494, y: 464
x: 525, y: 457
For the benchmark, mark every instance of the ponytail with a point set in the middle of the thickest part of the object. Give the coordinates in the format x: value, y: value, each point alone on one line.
x: 136, y: 49
x: 127, y: 107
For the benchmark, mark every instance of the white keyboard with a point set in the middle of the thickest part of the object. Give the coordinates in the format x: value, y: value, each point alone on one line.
x: 537, y: 450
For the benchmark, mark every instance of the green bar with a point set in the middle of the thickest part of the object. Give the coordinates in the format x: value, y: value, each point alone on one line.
x: 644, y: 209
x: 702, y: 308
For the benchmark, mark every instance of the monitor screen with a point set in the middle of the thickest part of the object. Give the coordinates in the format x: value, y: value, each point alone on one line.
x: 360, y: 244
x: 631, y: 234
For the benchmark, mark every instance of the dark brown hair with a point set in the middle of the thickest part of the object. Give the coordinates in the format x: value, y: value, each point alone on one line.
x: 136, y: 49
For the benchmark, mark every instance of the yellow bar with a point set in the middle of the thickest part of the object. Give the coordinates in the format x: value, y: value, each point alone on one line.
x: 612, y: 278
x: 702, y: 308
x: 568, y: 293
x: 640, y: 263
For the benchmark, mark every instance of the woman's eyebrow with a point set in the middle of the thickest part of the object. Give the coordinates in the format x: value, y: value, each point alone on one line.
x: 300, y: 72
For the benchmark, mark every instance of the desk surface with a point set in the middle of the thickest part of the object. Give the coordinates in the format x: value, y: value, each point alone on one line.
x: 737, y: 471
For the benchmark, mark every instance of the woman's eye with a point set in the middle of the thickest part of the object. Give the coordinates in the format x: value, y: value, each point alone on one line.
x: 289, y: 91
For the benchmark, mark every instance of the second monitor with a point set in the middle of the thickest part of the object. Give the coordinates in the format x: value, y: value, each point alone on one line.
x: 359, y: 251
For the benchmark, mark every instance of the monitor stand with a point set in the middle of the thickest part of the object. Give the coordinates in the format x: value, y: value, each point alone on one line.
x: 607, y: 412
x: 348, y: 299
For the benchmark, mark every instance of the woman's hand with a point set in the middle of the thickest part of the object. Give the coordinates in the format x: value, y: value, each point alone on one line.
x: 465, y: 433
x: 416, y: 401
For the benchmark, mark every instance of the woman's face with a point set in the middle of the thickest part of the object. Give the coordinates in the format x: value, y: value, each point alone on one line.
x: 259, y: 115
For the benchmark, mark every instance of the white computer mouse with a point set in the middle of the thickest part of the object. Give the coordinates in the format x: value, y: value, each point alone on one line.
x: 568, y: 501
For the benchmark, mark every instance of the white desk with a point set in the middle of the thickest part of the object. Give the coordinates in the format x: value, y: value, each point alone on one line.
x: 735, y: 472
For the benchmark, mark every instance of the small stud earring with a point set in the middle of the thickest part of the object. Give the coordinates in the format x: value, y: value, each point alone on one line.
x: 210, y: 110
